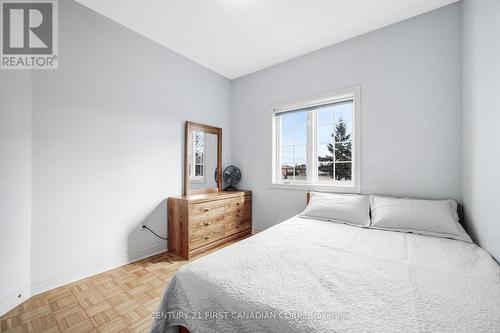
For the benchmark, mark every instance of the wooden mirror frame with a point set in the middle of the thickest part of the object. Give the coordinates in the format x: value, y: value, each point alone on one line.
x: 190, y: 127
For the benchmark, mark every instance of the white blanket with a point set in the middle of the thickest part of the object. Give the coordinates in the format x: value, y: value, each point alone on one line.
x: 307, y: 275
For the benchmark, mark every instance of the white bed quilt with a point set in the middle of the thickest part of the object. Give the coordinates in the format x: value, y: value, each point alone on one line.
x: 307, y: 275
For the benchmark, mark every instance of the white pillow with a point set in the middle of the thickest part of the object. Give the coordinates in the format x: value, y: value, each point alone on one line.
x: 427, y: 217
x: 344, y: 208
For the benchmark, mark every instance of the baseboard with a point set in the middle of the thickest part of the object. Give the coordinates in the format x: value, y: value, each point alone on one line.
x: 13, y: 300
x: 58, y: 281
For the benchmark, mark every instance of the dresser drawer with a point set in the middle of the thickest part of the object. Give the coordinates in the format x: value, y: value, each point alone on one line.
x: 238, y: 215
x: 238, y: 205
x: 204, y: 238
x: 237, y: 201
x: 235, y: 225
x: 206, y: 211
x: 207, y: 225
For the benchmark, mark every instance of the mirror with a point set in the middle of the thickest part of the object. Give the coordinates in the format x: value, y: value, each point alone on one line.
x: 202, y: 159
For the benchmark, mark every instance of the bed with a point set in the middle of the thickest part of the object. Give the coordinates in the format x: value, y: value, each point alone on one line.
x: 308, y: 275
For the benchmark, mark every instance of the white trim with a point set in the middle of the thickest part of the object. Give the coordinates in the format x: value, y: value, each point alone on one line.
x: 311, y: 148
x: 328, y: 97
x: 61, y: 280
x: 275, y: 142
x: 356, y: 136
x: 198, y: 180
x: 12, y: 300
x: 314, y: 187
x: 353, y: 93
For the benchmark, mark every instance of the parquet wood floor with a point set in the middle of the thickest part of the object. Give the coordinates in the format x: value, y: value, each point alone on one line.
x: 119, y: 300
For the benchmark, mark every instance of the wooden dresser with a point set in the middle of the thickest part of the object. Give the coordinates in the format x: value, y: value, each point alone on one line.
x: 199, y: 222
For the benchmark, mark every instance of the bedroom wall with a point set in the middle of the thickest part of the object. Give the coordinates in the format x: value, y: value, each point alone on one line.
x: 107, y: 144
x: 481, y: 87
x: 410, y: 78
x: 15, y: 187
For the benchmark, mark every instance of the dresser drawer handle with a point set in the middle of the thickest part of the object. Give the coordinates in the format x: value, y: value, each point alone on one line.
x: 207, y: 223
x: 206, y: 209
x: 238, y: 215
x: 207, y: 237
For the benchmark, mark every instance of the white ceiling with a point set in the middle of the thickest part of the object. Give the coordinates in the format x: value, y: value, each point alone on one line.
x: 237, y: 37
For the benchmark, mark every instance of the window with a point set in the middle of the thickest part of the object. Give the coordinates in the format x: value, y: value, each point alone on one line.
x: 197, y: 170
x: 316, y: 143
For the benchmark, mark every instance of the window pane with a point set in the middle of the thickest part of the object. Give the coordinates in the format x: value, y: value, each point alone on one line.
x: 300, y: 119
x: 294, y: 146
x: 287, y: 163
x: 287, y: 137
x: 343, y: 131
x: 198, y: 142
x: 300, y: 172
x: 287, y: 155
x: 343, y: 111
x: 343, y: 151
x: 287, y: 172
x: 300, y: 163
x: 325, y: 134
x: 198, y: 170
x: 334, y: 147
x: 300, y: 136
x: 300, y: 154
x: 286, y: 120
x: 343, y: 171
x: 325, y: 153
x: 325, y: 171
x: 325, y: 115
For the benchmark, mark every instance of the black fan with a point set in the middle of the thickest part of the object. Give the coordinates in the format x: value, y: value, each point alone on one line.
x: 231, y: 176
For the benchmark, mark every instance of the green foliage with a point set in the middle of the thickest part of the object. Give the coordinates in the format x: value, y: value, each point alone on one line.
x: 342, y: 151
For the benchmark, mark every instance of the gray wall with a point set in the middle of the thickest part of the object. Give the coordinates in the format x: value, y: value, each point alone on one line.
x: 108, y: 144
x: 410, y: 78
x: 15, y: 186
x: 481, y: 90
x: 90, y: 151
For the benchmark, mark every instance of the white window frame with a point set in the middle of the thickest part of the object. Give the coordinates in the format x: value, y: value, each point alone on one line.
x: 354, y: 94
x: 192, y: 177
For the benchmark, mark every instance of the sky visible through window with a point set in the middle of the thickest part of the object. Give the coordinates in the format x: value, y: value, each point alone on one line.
x: 294, y: 145
x: 333, y: 143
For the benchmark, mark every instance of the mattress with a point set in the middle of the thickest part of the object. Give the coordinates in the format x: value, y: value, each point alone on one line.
x: 306, y: 275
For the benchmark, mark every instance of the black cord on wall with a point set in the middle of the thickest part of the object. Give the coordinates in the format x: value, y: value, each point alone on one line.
x: 154, y: 233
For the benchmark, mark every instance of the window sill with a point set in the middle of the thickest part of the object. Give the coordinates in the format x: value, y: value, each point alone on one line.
x: 197, y: 180
x: 316, y: 187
